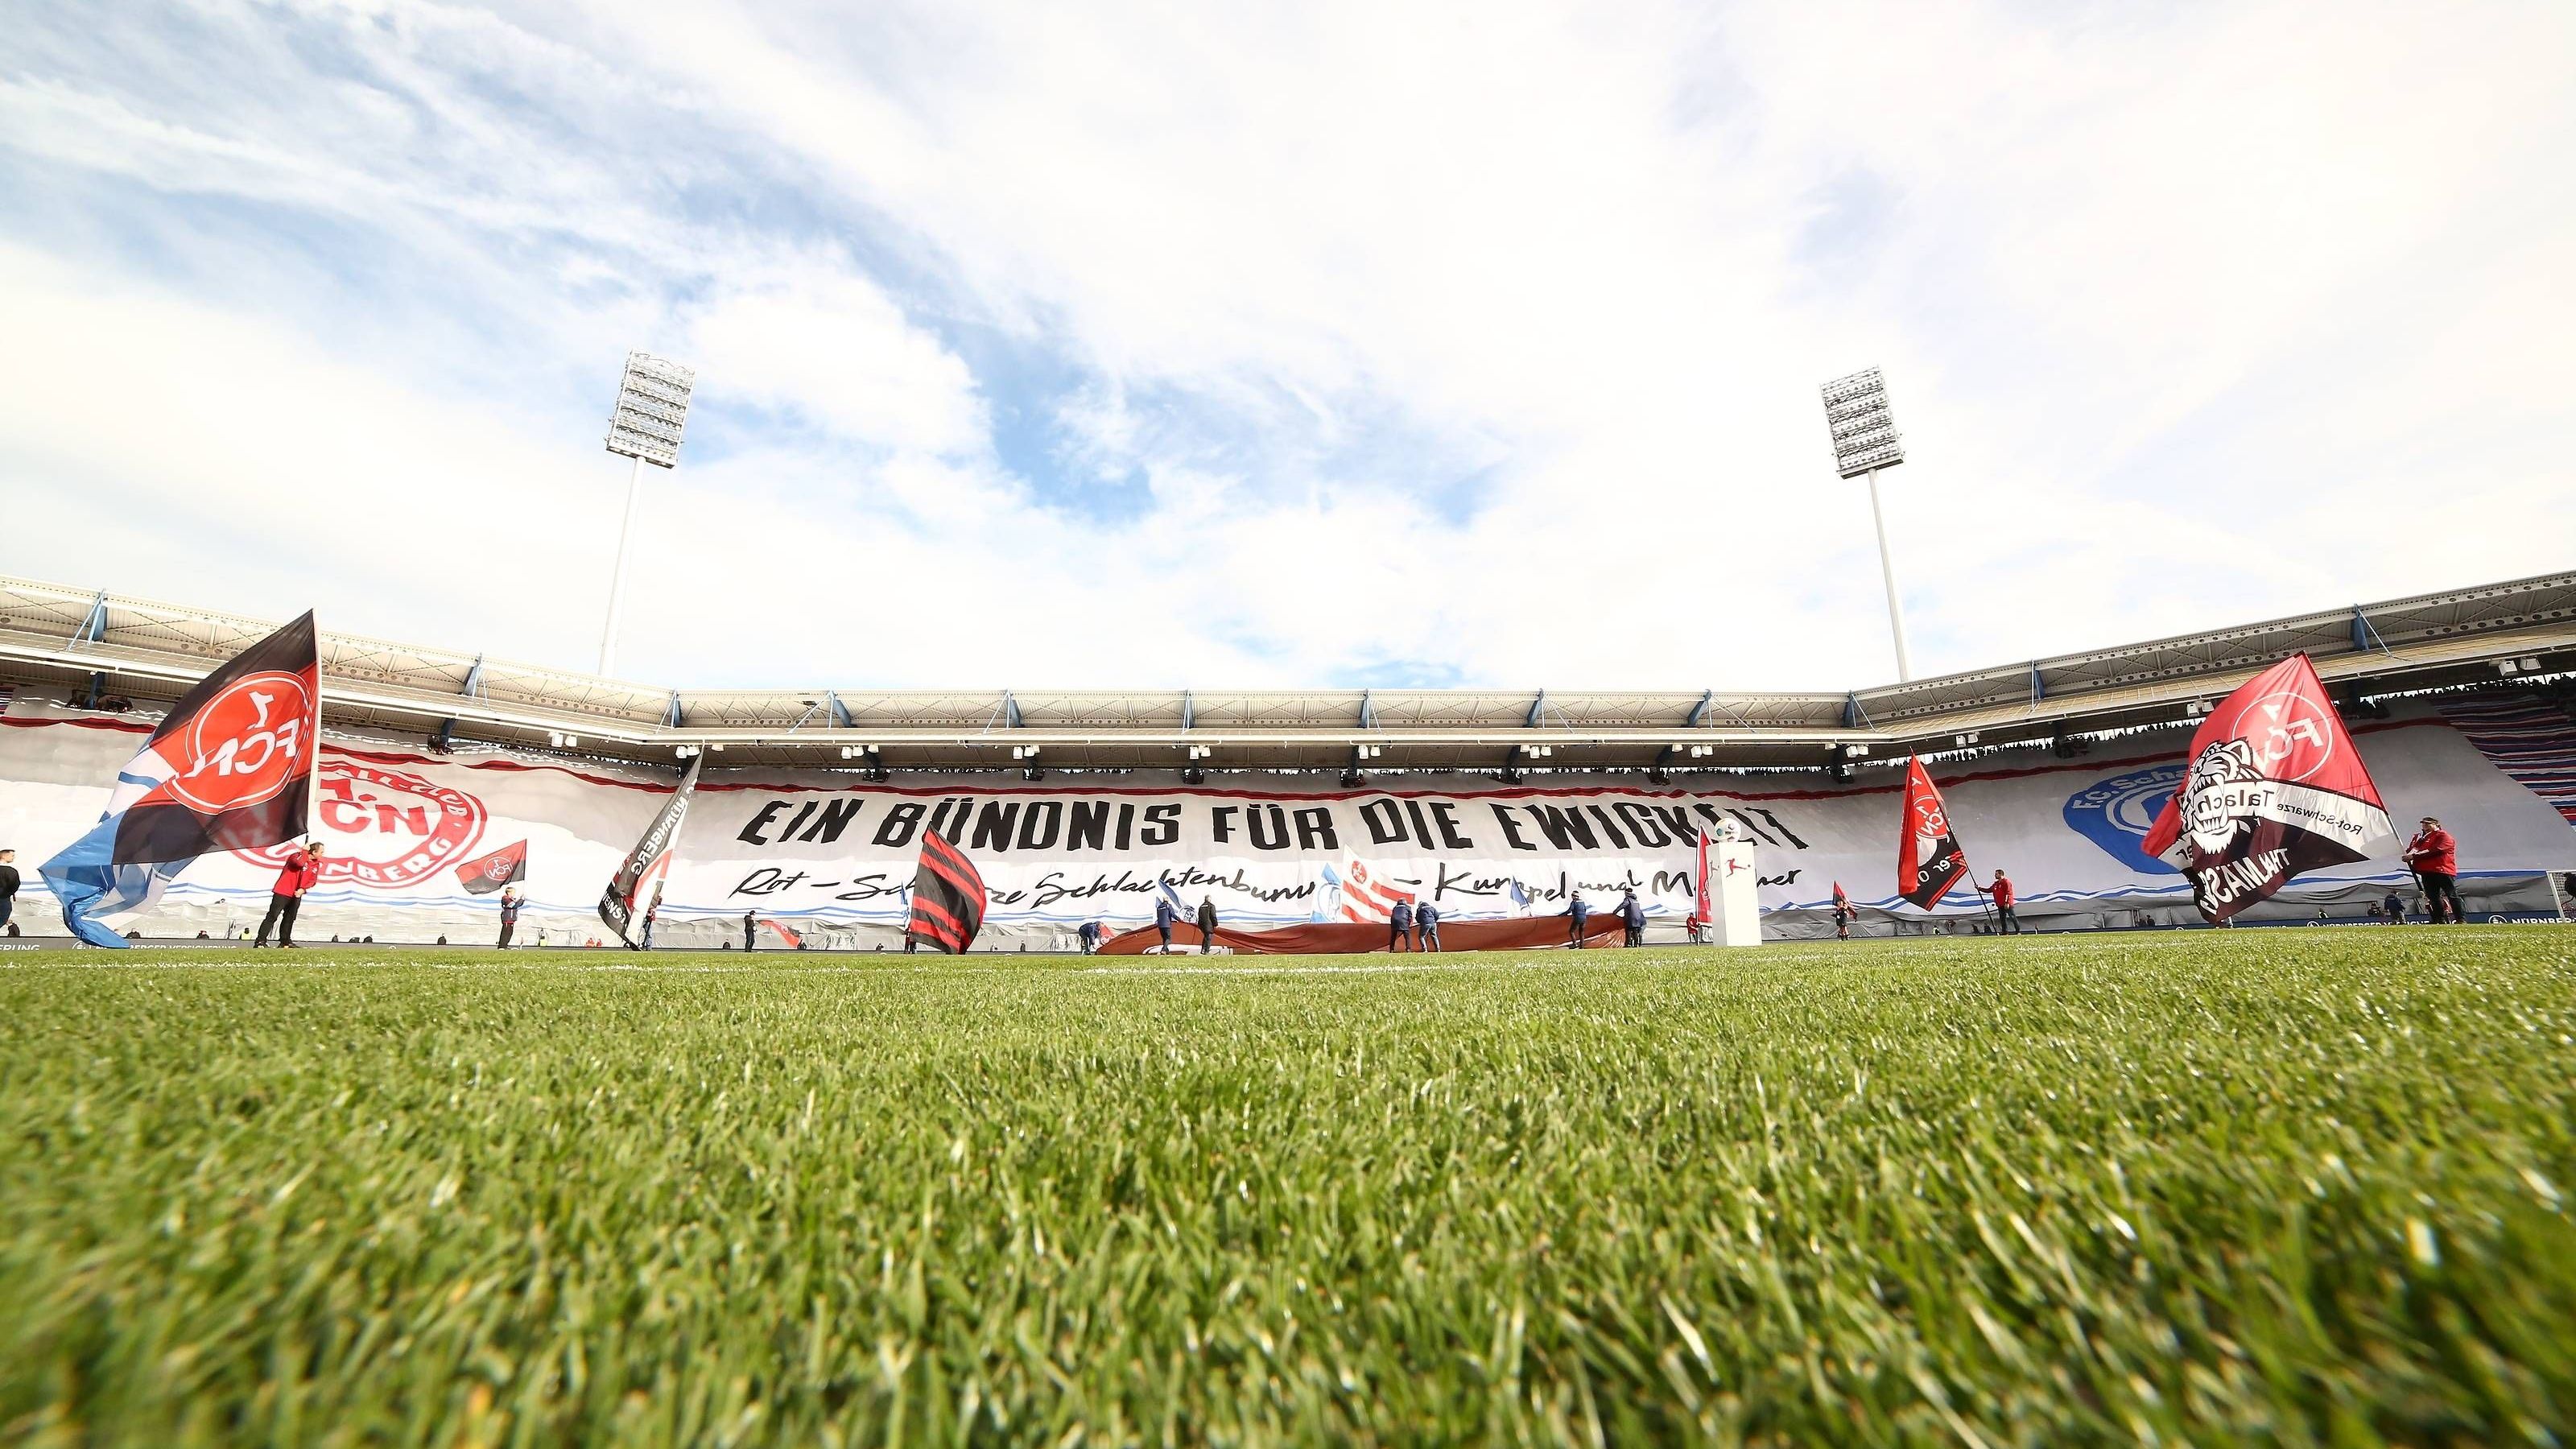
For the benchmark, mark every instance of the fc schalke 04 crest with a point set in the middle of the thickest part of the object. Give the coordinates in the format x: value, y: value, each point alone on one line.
x: 2115, y: 813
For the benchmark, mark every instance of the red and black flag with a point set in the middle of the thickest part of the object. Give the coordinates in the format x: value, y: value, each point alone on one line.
x: 229, y: 768
x: 2274, y: 788
x: 506, y: 866
x: 947, y: 897
x: 1928, y: 858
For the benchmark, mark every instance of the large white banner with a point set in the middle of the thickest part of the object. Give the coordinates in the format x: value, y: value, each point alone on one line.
x: 830, y: 858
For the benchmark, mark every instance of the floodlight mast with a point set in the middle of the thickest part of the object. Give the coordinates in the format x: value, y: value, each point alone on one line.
x: 652, y: 411
x: 1866, y: 440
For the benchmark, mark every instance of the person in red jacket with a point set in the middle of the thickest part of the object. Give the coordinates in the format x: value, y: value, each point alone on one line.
x: 2435, y: 858
x: 2002, y: 891
x: 302, y: 869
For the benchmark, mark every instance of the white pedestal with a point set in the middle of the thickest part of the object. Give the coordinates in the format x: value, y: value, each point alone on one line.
x: 1734, y: 894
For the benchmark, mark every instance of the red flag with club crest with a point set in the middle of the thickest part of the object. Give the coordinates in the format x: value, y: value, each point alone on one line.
x: 1928, y: 858
x: 506, y: 866
x: 2274, y: 788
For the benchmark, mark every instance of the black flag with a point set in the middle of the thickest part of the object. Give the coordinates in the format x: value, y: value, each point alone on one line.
x: 947, y: 897
x: 620, y: 907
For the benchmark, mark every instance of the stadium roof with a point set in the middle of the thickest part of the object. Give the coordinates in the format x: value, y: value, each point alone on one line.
x: 91, y: 643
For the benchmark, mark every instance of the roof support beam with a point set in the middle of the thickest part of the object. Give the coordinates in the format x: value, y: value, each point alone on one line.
x: 1700, y: 711
x: 2365, y: 637
x: 1368, y: 710
x: 670, y: 711
x: 1538, y: 707
x: 474, y: 679
x: 840, y: 712
x: 94, y: 627
x: 1189, y: 717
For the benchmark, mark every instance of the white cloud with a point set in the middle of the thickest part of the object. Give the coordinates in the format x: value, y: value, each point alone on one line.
x: 819, y: 339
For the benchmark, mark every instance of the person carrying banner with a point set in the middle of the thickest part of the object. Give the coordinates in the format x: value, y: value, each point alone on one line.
x: 1843, y: 913
x: 1207, y: 924
x: 2007, y: 922
x: 1632, y: 916
x: 2435, y: 858
x: 1399, y: 926
x: 302, y: 869
x: 652, y: 913
x: 8, y: 885
x: 1165, y: 917
x: 1580, y: 914
x: 1089, y: 935
x: 1426, y: 927
x: 750, y: 923
x: 510, y: 903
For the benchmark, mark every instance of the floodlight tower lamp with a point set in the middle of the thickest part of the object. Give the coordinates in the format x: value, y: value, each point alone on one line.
x: 1865, y: 440
x: 646, y: 424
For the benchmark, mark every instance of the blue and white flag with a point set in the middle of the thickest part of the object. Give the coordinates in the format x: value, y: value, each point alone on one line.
x: 1179, y: 906
x: 1520, y: 897
x: 88, y: 883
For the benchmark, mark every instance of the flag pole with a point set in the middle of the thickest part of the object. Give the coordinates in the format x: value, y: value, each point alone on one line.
x: 617, y: 577
x: 1887, y: 575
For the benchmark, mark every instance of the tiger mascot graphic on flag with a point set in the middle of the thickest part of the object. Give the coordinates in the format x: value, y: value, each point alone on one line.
x: 2222, y: 798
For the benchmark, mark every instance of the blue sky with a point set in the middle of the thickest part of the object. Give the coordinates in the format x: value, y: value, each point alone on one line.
x: 1320, y: 345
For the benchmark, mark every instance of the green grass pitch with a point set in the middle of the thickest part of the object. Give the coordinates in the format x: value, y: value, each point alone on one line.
x: 2279, y: 1187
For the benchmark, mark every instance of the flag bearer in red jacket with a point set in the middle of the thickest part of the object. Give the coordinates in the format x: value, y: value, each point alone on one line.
x: 2006, y: 920
x: 2435, y: 858
x: 302, y: 869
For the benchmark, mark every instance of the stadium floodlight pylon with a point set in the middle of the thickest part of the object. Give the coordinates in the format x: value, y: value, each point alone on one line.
x: 1866, y: 440
x: 646, y: 424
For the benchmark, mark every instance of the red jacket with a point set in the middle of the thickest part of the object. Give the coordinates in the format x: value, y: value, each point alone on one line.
x: 301, y: 871
x: 2433, y: 852
x: 2003, y: 891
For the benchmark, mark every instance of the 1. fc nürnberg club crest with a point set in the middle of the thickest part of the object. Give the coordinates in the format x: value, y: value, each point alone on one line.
x: 1931, y: 826
x: 385, y: 829
x: 245, y: 744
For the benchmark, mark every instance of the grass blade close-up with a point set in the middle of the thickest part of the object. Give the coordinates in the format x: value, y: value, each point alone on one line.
x: 2275, y: 1186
